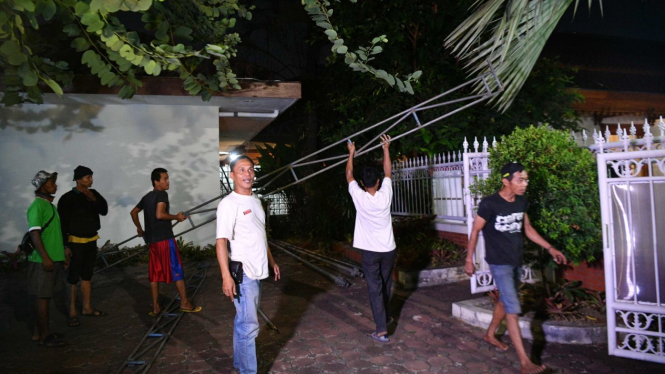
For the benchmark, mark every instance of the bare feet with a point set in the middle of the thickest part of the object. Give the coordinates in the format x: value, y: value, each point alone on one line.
x: 531, y: 368
x: 496, y: 342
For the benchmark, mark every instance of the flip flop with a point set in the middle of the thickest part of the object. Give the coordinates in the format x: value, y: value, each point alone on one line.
x: 51, y: 341
x: 153, y: 314
x: 195, y: 309
x: 72, y: 322
x: 381, y: 339
x: 95, y: 313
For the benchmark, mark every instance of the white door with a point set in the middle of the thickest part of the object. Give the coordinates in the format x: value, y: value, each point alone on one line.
x: 632, y: 193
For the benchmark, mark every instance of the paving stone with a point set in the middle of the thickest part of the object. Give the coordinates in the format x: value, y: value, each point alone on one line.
x: 438, y: 361
x: 323, y: 328
x: 382, y: 360
x: 416, y: 366
x: 297, y: 353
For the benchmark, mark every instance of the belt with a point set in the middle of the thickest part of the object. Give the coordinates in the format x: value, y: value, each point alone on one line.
x: 76, y: 239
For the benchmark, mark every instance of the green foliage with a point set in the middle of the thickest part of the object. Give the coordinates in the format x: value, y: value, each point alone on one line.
x: 511, y: 35
x: 446, y: 253
x: 321, y: 13
x: 11, y: 261
x: 563, y: 300
x: 190, y: 39
x: 194, y: 252
x: 418, y: 246
x: 348, y: 103
x: 563, y: 190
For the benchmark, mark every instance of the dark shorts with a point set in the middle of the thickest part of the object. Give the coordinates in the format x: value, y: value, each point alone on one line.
x: 42, y: 283
x: 507, y: 279
x: 165, y: 265
x: 82, y: 265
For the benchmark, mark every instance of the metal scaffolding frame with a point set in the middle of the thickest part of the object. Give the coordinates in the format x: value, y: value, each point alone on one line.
x: 152, y: 343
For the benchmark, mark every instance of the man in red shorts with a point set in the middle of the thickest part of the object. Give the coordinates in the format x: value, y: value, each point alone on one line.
x: 165, y: 265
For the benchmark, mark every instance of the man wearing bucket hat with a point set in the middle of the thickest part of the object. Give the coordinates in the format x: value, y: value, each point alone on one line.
x: 47, y: 263
x: 79, y: 211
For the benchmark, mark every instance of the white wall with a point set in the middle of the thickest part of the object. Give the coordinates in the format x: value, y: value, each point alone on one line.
x: 121, y: 144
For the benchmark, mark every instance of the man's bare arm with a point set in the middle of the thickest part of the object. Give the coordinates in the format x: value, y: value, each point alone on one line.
x: 135, y: 218
x: 273, y: 264
x: 478, y: 224
x: 161, y: 214
x: 349, y: 162
x: 47, y: 262
x: 228, y: 285
x: 387, y: 166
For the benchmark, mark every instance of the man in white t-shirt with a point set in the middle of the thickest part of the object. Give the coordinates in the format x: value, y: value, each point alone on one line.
x: 373, y: 234
x: 241, y: 223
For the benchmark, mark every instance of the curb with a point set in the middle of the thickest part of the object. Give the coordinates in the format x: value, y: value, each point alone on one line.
x: 475, y: 312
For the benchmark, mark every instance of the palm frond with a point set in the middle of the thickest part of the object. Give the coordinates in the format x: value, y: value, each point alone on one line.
x: 510, y: 34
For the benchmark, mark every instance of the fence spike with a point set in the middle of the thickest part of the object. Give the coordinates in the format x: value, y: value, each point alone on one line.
x: 475, y: 143
x: 459, y: 156
x: 661, y: 127
x: 648, y: 137
x: 485, y: 144
x: 466, y: 144
x: 494, y: 143
x: 607, y: 132
x: 619, y: 130
x: 572, y: 135
x: 600, y: 141
x: 584, y: 136
x: 633, y: 130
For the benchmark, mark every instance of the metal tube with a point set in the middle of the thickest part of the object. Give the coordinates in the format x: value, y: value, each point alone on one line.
x: 353, y: 270
x: 338, y: 280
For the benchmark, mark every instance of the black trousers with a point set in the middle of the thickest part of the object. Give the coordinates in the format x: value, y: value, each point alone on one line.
x: 378, y: 268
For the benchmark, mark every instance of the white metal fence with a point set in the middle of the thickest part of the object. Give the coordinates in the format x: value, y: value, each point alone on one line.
x: 429, y: 185
x: 434, y: 185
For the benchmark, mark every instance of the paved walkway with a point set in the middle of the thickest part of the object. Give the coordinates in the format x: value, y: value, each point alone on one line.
x: 322, y: 328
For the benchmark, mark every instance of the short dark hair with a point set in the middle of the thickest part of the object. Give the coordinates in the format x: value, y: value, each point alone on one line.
x: 369, y: 176
x: 511, y: 168
x: 241, y: 157
x: 156, y: 175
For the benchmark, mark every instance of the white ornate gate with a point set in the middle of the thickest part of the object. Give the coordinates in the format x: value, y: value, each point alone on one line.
x: 632, y: 199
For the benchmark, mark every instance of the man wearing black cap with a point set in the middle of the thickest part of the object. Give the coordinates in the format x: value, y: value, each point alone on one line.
x: 79, y: 211
x: 501, y: 217
x: 47, y: 263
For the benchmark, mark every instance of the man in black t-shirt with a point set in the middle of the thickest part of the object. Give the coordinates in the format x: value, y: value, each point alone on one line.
x: 165, y: 265
x: 501, y: 217
x: 79, y: 211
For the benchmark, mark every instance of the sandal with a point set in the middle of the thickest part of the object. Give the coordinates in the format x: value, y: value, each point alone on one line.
x: 52, y: 341
x: 195, y: 309
x: 381, y: 339
x: 72, y: 322
x: 94, y: 313
x: 153, y: 314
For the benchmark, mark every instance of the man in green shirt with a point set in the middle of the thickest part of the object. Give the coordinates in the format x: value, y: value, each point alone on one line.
x: 47, y: 263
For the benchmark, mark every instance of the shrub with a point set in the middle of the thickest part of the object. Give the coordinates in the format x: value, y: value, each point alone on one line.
x: 563, y: 191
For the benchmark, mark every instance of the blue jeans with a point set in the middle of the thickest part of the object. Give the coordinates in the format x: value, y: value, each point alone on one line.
x: 378, y: 269
x: 246, y: 326
x: 507, y: 279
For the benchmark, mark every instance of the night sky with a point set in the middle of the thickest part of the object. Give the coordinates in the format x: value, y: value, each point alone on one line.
x: 632, y: 19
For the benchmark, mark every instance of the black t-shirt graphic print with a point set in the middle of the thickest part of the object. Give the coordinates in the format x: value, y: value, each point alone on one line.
x: 503, y: 231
